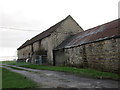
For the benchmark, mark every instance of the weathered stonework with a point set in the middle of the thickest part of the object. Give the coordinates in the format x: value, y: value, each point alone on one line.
x: 25, y: 52
x: 75, y: 56
x: 67, y: 28
x: 102, y: 55
x: 66, y: 43
x: 36, y: 46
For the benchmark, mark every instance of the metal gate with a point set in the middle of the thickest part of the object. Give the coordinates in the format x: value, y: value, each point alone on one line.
x: 39, y: 59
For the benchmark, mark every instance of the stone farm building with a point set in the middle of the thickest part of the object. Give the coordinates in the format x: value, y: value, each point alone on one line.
x: 66, y: 43
x: 44, y: 43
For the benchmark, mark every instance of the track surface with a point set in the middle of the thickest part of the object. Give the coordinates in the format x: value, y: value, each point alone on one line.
x: 54, y: 79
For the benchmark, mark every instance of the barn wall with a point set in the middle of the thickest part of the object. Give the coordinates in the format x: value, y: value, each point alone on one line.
x: 41, y: 45
x: 72, y: 56
x: 25, y: 52
x: 102, y: 55
x: 36, y: 46
x: 75, y: 56
x: 44, y: 45
x: 68, y: 27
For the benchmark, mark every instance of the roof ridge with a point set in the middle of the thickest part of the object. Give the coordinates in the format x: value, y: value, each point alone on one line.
x: 60, y: 22
x: 43, y: 34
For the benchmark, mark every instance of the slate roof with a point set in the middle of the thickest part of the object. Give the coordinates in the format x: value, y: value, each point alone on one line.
x: 43, y: 34
x: 105, y: 31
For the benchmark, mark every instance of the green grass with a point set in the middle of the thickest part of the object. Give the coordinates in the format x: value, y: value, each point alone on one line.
x: 0, y: 78
x: 15, y: 68
x: 13, y: 80
x: 14, y: 63
x: 78, y: 71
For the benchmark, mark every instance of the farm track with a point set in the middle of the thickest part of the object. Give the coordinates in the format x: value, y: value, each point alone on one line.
x: 54, y: 79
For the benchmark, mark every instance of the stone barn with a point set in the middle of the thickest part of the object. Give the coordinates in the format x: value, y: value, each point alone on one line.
x: 96, y: 48
x: 39, y: 49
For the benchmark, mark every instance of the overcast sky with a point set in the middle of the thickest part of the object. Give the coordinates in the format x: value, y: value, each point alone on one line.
x: 18, y: 16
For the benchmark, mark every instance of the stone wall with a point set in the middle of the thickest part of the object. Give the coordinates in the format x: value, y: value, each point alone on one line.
x: 75, y: 56
x: 25, y: 52
x: 102, y: 55
x: 71, y: 56
x: 36, y: 46
x: 64, y: 31
x: 67, y: 28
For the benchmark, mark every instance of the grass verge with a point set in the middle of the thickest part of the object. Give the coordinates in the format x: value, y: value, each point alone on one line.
x: 78, y: 71
x: 14, y: 63
x: 16, y: 68
x: 13, y: 80
x: 0, y: 78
